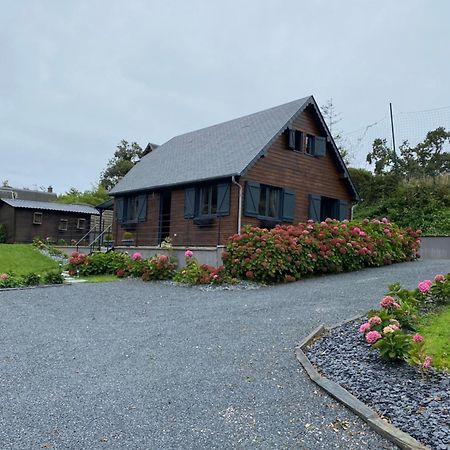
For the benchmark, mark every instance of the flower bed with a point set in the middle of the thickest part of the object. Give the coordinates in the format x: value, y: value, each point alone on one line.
x: 10, y: 280
x: 392, y: 329
x: 288, y: 252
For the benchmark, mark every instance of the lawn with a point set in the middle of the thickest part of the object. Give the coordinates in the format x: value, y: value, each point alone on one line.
x: 22, y: 259
x: 436, y: 331
x: 99, y: 278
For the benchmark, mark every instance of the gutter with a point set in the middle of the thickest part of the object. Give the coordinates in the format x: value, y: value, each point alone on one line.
x: 239, y: 204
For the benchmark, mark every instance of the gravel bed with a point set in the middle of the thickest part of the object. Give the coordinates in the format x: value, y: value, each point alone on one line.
x: 242, y: 285
x: 61, y: 259
x: 415, y: 403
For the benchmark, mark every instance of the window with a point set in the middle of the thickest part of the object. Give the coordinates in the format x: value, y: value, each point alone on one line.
x: 81, y: 224
x: 269, y: 202
x: 132, y: 209
x: 37, y: 218
x: 63, y: 225
x: 309, y: 144
x: 321, y: 208
x: 209, y: 200
x: 295, y: 138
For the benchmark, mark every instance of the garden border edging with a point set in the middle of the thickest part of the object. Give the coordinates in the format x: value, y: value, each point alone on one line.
x: 398, y: 437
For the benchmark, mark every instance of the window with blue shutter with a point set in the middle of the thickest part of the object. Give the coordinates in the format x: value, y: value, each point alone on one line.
x: 251, y: 200
x: 119, y: 209
x: 288, y: 205
x: 291, y: 138
x: 142, y: 208
x: 315, y: 207
x: 223, y: 199
x: 343, y: 210
x: 319, y: 146
x: 189, y: 203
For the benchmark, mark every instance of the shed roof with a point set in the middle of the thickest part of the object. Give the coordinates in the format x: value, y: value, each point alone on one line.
x: 63, y: 207
x: 217, y: 151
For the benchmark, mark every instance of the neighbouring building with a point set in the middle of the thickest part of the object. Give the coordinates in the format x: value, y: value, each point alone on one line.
x: 27, y: 214
x: 276, y: 166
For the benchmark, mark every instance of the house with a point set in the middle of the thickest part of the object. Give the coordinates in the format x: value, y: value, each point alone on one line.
x: 27, y: 214
x: 279, y: 165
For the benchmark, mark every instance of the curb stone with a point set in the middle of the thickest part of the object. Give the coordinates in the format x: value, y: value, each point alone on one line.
x: 41, y: 286
x: 398, y: 437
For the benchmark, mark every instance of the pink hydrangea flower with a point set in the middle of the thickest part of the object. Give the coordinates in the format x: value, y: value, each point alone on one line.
x: 364, y: 327
x: 372, y: 337
x: 427, y: 362
x: 387, y: 302
x: 396, y: 305
x: 424, y: 286
x: 388, y: 329
x: 375, y: 320
x: 163, y: 258
x: 188, y: 253
x: 439, y: 278
x: 136, y: 256
x: 417, y: 338
x: 384, y: 220
x: 4, y: 276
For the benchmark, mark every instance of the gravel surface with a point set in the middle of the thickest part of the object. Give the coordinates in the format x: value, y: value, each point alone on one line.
x: 152, y: 366
x: 415, y: 403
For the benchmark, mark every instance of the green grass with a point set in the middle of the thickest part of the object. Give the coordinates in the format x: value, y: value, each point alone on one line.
x: 436, y: 331
x: 22, y: 259
x: 99, y: 278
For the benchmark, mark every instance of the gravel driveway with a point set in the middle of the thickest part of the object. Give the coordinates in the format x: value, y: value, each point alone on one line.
x: 152, y: 366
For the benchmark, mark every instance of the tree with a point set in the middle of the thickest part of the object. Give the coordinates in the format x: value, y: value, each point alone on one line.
x: 95, y: 196
x: 332, y: 118
x: 427, y: 158
x: 125, y: 157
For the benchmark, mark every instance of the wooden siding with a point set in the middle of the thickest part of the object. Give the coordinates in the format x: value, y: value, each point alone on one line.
x: 25, y: 230
x: 7, y: 218
x: 303, y: 173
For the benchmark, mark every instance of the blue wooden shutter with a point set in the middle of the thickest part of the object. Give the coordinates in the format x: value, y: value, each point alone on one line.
x: 288, y: 205
x: 119, y: 209
x: 189, y: 203
x: 343, y: 210
x: 251, y: 198
x: 291, y: 136
x: 319, y: 146
x: 223, y: 199
x: 314, y: 207
x: 142, y: 208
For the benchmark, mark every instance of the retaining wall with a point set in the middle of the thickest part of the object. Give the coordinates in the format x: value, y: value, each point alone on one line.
x: 435, y: 247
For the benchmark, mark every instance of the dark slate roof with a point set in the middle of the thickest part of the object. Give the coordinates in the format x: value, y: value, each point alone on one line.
x: 214, y: 152
x: 29, y: 204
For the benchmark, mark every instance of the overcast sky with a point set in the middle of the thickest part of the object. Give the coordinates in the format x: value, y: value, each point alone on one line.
x: 78, y: 76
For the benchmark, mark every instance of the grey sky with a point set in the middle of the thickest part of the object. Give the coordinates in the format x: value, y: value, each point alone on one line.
x: 78, y: 76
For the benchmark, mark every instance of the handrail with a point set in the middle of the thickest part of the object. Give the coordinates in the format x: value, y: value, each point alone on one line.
x: 86, y: 235
x: 105, y: 231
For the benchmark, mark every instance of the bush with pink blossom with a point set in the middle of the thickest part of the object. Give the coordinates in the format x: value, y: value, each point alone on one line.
x: 289, y: 252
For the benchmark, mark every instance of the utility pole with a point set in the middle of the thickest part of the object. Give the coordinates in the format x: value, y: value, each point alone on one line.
x: 393, y: 138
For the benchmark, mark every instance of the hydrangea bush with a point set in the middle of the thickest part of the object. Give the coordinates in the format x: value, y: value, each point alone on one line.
x: 290, y: 252
x: 391, y: 329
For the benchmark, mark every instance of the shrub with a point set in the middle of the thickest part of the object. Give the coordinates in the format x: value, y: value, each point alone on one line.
x: 196, y: 273
x: 160, y: 267
x: 289, y: 252
x: 53, y: 277
x: 390, y: 329
x: 10, y: 280
x: 31, y: 279
x: 3, y: 233
x: 97, y: 263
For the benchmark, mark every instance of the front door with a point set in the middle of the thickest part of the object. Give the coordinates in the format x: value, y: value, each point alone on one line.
x: 164, y: 215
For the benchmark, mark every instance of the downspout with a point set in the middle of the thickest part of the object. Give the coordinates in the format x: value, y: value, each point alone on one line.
x: 239, y: 203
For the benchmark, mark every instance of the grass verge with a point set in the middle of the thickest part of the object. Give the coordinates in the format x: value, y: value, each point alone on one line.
x: 435, y: 328
x: 100, y: 278
x: 22, y: 259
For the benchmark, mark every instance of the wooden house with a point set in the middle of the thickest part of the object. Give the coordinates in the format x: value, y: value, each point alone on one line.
x: 26, y: 219
x: 279, y: 165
